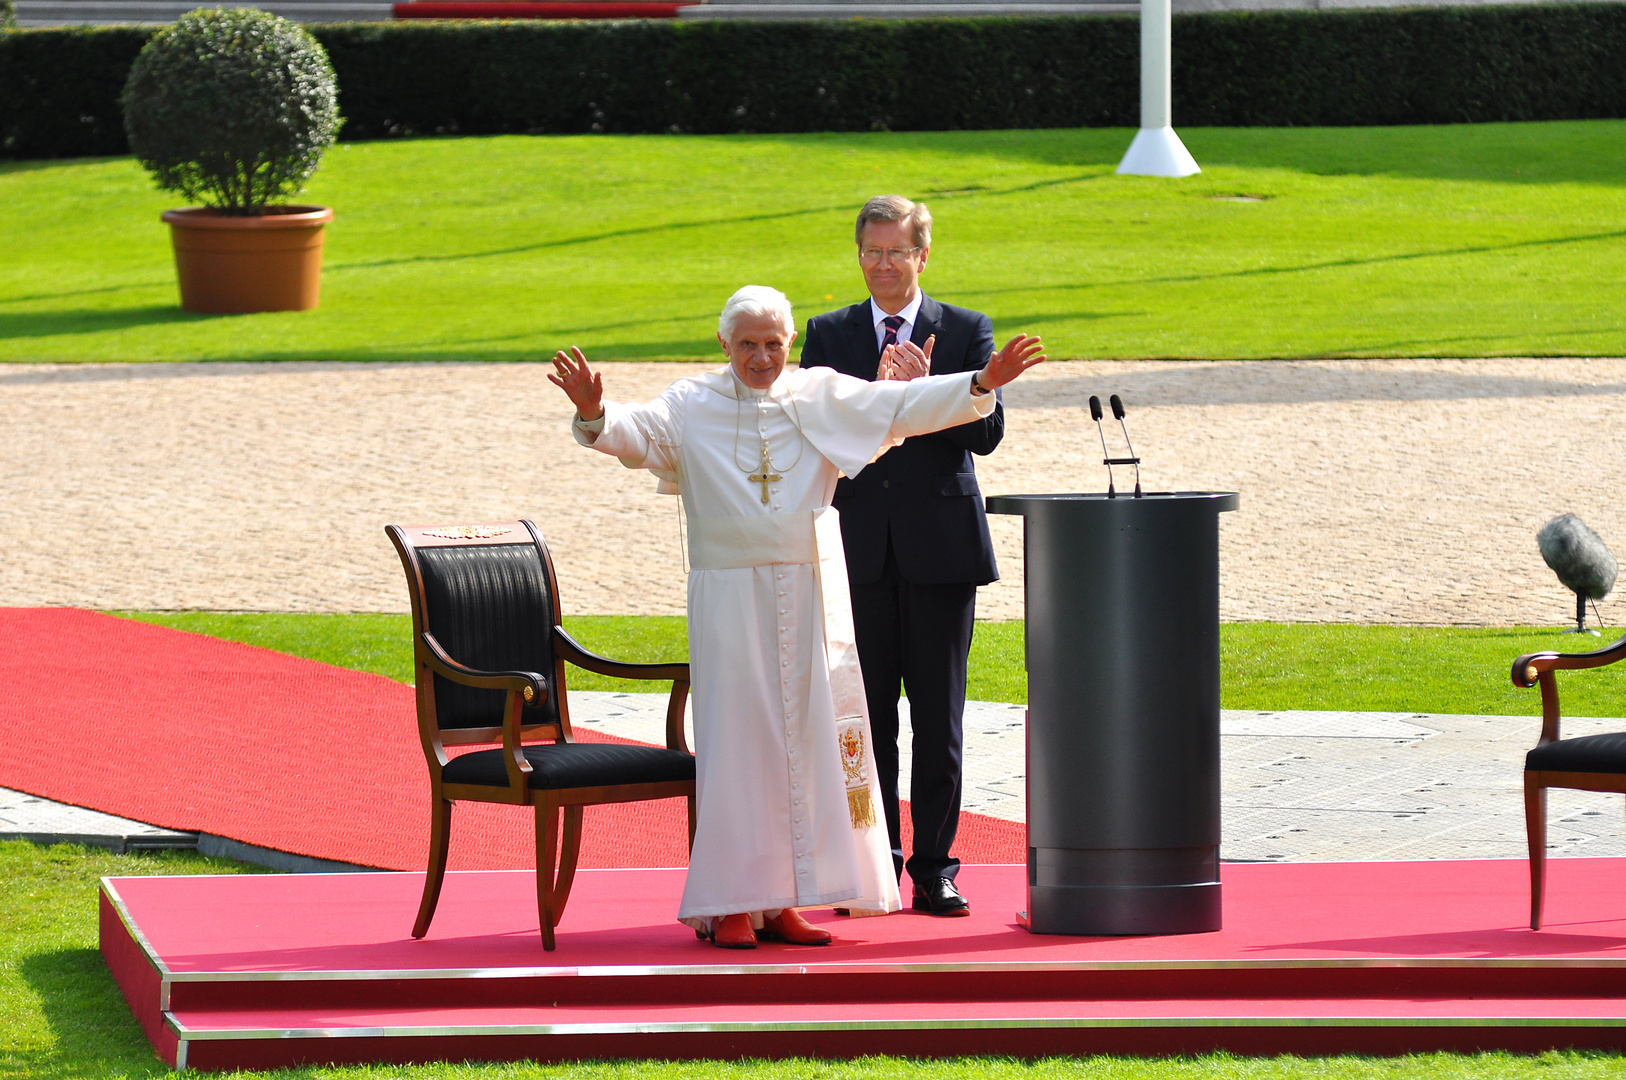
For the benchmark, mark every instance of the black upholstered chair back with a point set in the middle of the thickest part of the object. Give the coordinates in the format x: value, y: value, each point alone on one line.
x: 491, y: 607
x: 489, y: 650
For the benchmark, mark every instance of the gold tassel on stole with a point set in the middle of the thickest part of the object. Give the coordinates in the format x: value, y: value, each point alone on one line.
x: 861, y: 808
x: 854, y: 759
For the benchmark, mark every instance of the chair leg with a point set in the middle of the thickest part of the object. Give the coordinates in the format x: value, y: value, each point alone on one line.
x: 1535, y: 827
x: 567, y: 861
x: 694, y: 819
x: 547, y: 850
x: 440, y: 829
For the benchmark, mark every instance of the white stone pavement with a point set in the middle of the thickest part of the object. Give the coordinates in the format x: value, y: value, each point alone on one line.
x: 1295, y: 786
x: 1302, y: 786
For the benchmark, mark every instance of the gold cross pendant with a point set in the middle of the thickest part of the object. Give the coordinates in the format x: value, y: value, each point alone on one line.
x: 765, y: 477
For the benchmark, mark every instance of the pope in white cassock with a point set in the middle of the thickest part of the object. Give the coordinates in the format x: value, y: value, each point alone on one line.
x: 786, y: 789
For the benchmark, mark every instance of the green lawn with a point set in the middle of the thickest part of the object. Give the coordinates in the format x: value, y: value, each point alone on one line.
x: 1496, y: 239
x: 1262, y: 665
x: 63, y: 1018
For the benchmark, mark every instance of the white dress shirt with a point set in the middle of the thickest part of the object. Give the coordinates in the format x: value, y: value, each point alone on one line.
x: 909, y: 312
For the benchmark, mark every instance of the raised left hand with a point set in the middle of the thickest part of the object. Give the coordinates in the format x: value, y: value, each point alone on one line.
x: 1019, y: 354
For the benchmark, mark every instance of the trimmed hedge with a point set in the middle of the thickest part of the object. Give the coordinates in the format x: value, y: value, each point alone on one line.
x: 8, y: 15
x: 689, y: 77
x: 58, y: 88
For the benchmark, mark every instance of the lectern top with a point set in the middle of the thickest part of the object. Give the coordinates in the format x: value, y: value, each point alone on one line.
x: 1020, y: 504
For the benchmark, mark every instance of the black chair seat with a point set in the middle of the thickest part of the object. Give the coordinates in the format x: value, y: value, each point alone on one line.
x: 575, y: 765
x: 1590, y: 753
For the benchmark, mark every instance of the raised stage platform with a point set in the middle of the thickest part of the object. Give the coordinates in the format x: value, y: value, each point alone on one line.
x: 263, y: 971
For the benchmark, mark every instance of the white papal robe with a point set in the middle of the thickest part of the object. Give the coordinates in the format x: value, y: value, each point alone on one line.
x: 774, y: 670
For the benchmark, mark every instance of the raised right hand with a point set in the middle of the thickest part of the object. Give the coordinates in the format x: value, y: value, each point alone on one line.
x: 583, y: 385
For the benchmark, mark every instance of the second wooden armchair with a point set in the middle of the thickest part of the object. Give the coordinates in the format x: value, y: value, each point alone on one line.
x: 1589, y: 763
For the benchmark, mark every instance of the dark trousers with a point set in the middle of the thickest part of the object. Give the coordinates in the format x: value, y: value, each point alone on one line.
x: 917, y: 637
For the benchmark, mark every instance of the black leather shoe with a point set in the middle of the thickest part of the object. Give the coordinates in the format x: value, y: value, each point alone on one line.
x: 940, y: 897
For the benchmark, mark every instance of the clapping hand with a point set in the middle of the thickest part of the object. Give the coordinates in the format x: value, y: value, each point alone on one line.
x: 583, y: 385
x: 906, y: 360
x: 1019, y: 354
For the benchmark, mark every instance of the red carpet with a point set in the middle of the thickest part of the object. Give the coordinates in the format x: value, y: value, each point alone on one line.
x: 191, y: 732
x: 259, y: 971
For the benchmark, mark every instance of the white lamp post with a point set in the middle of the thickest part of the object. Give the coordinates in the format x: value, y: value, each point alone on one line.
x: 1157, y: 150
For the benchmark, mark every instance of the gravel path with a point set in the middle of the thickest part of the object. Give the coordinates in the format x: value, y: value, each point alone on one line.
x: 1372, y: 491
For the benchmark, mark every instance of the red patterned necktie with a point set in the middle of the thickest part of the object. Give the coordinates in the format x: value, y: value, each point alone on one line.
x: 891, y: 322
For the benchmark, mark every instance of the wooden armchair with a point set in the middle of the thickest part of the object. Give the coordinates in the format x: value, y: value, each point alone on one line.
x: 1590, y: 763
x: 489, y: 656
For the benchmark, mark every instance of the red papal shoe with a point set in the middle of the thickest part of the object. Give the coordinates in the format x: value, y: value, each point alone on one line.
x: 734, y: 932
x: 789, y: 926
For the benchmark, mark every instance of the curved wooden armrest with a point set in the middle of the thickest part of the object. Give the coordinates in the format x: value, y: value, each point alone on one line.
x: 531, y: 686
x: 573, y: 651
x: 1528, y: 668
x: 1532, y: 668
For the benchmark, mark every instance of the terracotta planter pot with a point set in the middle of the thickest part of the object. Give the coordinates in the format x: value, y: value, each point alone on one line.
x: 231, y: 265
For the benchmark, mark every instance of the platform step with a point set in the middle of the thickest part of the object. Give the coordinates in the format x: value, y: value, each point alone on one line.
x: 820, y: 985
x: 264, y: 971
x: 215, y: 1039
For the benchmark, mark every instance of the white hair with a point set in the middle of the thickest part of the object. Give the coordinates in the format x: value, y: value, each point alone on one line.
x: 755, y: 300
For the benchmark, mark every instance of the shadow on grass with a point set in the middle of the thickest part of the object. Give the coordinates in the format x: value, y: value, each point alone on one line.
x: 487, y: 350
x: 1411, y: 347
x: 32, y: 324
x: 1305, y: 268
x: 680, y: 226
x: 1588, y: 152
x: 1017, y: 324
x: 592, y: 238
x: 41, y: 164
x: 93, y: 1030
x: 84, y: 292
x: 1576, y: 151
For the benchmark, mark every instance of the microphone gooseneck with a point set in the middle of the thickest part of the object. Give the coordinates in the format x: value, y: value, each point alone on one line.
x: 1106, y: 455
x: 1118, y: 414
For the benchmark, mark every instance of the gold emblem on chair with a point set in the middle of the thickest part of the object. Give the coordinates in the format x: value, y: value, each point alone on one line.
x: 468, y: 532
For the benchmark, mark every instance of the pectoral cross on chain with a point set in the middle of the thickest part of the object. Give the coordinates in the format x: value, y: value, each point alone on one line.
x: 766, y: 476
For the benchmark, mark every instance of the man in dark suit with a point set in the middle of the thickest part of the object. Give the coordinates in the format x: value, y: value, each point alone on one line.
x: 915, y: 532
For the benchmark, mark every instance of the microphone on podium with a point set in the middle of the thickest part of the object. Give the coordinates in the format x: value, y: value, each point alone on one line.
x: 1118, y: 413
x: 1106, y: 455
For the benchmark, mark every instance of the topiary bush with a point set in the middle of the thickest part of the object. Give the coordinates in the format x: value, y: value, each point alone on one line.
x: 231, y: 108
x: 8, y: 15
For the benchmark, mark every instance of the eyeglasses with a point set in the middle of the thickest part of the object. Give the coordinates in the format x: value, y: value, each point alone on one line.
x: 891, y: 255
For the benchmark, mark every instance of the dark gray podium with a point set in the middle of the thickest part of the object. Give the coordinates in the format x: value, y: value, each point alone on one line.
x: 1123, y: 779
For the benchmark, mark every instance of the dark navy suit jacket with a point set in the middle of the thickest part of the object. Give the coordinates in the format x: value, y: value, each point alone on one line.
x: 923, y: 492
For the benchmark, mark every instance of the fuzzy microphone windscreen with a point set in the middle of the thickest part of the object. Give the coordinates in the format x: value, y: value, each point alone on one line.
x: 1578, y: 556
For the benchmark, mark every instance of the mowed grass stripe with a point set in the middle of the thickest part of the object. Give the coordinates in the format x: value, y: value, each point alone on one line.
x: 1473, y: 240
x: 1272, y: 666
